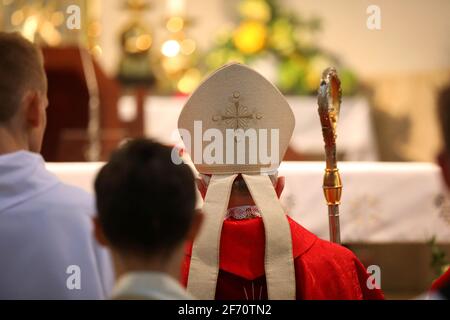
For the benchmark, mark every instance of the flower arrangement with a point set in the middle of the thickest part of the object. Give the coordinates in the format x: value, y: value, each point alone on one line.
x: 280, y: 45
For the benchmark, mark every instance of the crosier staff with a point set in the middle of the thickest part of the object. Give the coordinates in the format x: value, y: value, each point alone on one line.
x: 329, y: 100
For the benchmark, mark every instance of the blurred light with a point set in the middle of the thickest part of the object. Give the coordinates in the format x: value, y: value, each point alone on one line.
x: 30, y: 27
x: 250, y: 37
x: 189, y: 81
x: 188, y: 46
x: 138, y: 44
x: 144, y: 42
x: 17, y: 17
x: 7, y: 2
x: 127, y: 108
x: 176, y: 7
x: 96, y: 51
x: 175, y: 24
x: 170, y: 48
x: 50, y: 34
x: 173, y: 65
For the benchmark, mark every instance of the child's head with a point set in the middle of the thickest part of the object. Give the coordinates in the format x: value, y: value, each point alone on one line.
x: 145, y: 202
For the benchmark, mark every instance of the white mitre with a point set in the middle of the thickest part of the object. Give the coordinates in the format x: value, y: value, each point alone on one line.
x: 237, y: 122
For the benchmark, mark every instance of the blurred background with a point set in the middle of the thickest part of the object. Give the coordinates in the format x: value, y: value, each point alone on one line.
x: 164, y: 48
x: 120, y: 69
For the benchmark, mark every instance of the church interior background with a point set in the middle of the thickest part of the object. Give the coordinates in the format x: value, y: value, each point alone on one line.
x: 126, y: 70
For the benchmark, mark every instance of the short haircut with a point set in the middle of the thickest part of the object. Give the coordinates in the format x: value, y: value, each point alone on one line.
x: 444, y: 115
x: 21, y: 69
x: 239, y: 185
x: 145, y: 202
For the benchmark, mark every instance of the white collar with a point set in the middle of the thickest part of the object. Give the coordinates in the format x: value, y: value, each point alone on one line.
x: 149, y: 285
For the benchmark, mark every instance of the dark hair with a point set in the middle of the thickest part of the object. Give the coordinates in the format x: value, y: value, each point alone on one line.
x: 240, y: 186
x: 444, y: 115
x: 21, y: 69
x: 145, y: 201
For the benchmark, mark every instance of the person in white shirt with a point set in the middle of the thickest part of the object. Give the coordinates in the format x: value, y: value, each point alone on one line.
x: 47, y: 248
x: 146, y: 213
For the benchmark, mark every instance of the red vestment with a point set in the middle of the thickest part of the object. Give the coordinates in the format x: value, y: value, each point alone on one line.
x: 441, y: 282
x: 323, y: 270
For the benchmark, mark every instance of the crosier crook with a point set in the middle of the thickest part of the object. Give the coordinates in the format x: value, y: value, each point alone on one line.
x: 329, y: 100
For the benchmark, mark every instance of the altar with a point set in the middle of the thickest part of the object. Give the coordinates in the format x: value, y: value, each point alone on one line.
x: 381, y: 203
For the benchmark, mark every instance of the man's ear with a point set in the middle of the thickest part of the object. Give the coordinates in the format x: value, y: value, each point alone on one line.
x: 196, y: 225
x: 201, y: 186
x: 98, y: 232
x: 279, y: 187
x: 32, y: 104
x: 443, y: 159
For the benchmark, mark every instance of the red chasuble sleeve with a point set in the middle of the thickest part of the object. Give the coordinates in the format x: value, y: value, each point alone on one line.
x: 323, y: 270
x: 441, y: 282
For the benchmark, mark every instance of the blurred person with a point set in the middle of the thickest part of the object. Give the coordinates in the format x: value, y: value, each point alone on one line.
x: 441, y: 286
x: 146, y: 212
x: 47, y: 250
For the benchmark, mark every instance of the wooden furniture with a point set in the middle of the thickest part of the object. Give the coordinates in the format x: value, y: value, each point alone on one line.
x: 66, y: 136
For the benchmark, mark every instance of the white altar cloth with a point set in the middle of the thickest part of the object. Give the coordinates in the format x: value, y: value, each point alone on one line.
x: 381, y: 202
